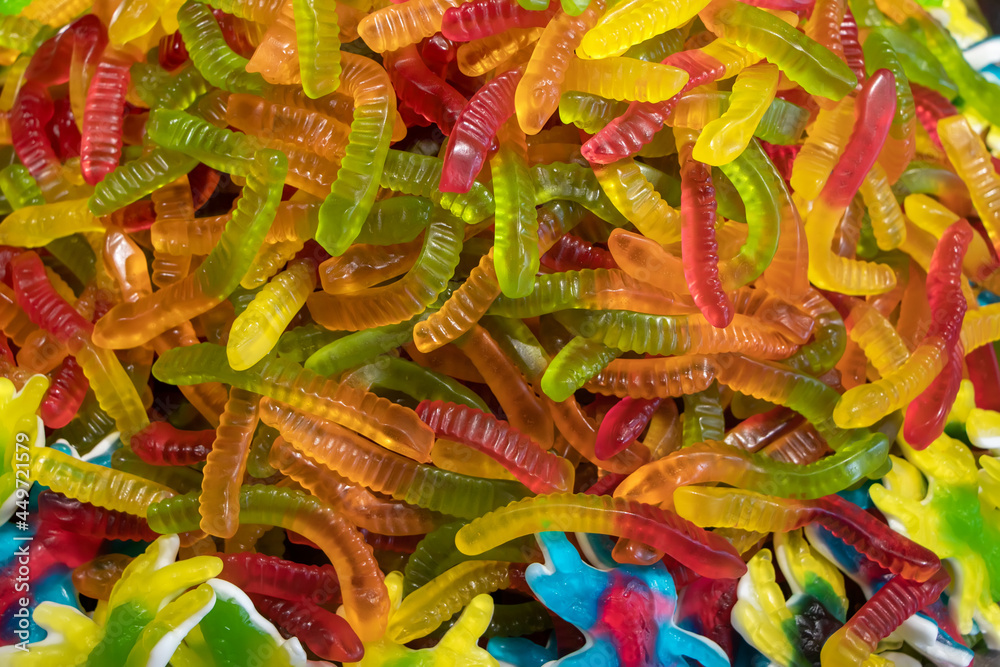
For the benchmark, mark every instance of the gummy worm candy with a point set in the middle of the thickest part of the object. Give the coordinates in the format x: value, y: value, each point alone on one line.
x: 753, y: 511
x: 602, y: 514
x: 712, y: 462
x: 365, y: 601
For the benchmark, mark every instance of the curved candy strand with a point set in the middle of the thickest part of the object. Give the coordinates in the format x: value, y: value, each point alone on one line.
x: 137, y: 178
x: 724, y: 138
x: 753, y: 511
x: 318, y: 39
x: 393, y: 27
x: 699, y: 247
x: 932, y: 216
x: 390, y: 373
x: 388, y: 424
x: 622, y: 424
x: 89, y: 483
x: 470, y: 301
x: 437, y: 553
x: 475, y: 130
x: 398, y: 302
x: 776, y: 384
x: 888, y: 223
x: 363, y: 265
x: 540, y: 471
x: 359, y: 347
x: 416, y: 174
x: 482, y: 55
x: 628, y: 79
x: 423, y: 610
x: 101, y: 147
x: 866, y: 404
x: 703, y: 552
x: 576, y: 363
x: 218, y: 275
x: 900, y: 146
x: 525, y: 411
x: 87, y: 519
x: 172, y: 202
x: 365, y: 601
x: 315, y: 131
x: 515, y: 250
x: 629, y: 190
x: 886, y: 610
x: 403, y: 479
x: 482, y: 18
x: 633, y: 21
x: 824, y: 25
x: 114, y: 391
x: 36, y: 226
x: 255, y: 331
x: 220, y: 149
x: 275, y: 577
x: 654, y: 378
x: 973, y: 87
x: 355, y: 502
x: 656, y: 482
x: 68, y: 388
x: 353, y: 192
x: 626, y: 135
x: 800, y: 58
x: 703, y: 417
x: 211, y: 55
x: 677, y: 335
x: 537, y: 93
x: 926, y: 415
x: 972, y: 162
x: 423, y: 91
x: 753, y: 175
x: 876, y: 336
x: 876, y: 105
x: 462, y: 309
x: 226, y: 463
x: 160, y: 443
x: 325, y: 633
x: 824, y: 145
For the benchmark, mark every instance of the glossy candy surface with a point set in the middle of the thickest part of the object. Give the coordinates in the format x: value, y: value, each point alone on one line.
x: 452, y: 333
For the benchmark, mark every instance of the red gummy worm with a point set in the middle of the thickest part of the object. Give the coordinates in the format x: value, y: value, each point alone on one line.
x: 626, y: 135
x: 622, y: 424
x: 571, y: 253
x: 103, y: 116
x: 475, y: 131
x: 528, y: 462
x: 892, y: 604
x: 65, y: 394
x: 699, y: 247
x: 327, y: 635
x: 853, y: 54
x: 423, y: 90
x: 163, y: 444
x: 926, y: 415
x: 931, y: 106
x: 62, y: 131
x: 41, y: 302
x: 871, y: 537
x: 85, y: 519
x: 984, y: 372
x: 279, y: 578
x: 482, y: 18
x: 874, y: 112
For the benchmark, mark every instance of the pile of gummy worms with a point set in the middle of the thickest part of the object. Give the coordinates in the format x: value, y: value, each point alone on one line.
x: 473, y: 333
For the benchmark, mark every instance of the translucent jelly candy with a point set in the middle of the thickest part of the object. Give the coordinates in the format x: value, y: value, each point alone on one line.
x: 330, y: 320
